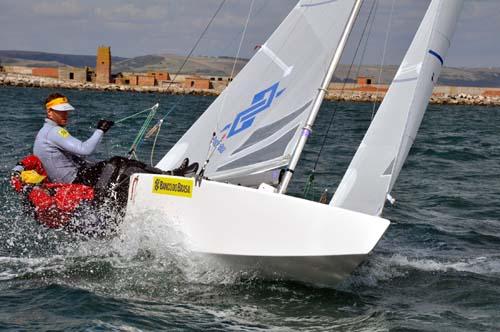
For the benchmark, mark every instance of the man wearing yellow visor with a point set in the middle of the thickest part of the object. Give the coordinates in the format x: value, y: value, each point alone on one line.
x: 61, y: 154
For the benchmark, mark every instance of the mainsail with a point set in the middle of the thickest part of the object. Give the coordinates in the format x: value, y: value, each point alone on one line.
x: 382, y: 152
x: 254, y: 125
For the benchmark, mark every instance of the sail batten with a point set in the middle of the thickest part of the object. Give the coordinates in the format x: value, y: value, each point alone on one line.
x: 389, y: 138
x: 270, y: 99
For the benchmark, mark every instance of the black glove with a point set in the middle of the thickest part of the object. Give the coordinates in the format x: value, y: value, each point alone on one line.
x: 186, y: 169
x: 179, y: 171
x: 104, y: 125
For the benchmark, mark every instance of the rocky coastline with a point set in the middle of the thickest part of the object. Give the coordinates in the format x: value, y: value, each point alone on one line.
x: 18, y: 80
x: 50, y: 83
x: 440, y: 99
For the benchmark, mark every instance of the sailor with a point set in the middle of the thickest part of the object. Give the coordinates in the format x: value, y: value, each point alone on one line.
x: 62, y: 155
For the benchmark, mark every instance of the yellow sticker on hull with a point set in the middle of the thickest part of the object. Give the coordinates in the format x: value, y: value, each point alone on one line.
x: 173, y: 186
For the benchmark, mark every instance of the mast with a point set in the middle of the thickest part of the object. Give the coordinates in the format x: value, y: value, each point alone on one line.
x: 307, y: 129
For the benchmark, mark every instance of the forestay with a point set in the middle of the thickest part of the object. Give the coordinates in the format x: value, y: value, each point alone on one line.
x: 258, y: 118
x: 380, y: 157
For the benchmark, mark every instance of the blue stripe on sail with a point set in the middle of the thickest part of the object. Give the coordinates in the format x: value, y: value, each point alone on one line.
x: 437, y: 56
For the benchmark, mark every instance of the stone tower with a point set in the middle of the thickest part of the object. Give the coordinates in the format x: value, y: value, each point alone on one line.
x: 103, y: 65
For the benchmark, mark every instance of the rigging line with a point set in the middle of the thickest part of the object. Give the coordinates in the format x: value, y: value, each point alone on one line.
x: 242, y: 38
x: 375, y: 3
x: 152, y: 112
x: 154, y: 143
x: 210, y: 153
x: 201, y: 174
x: 142, y: 130
x: 325, y: 136
x: 189, y: 55
x: 197, y: 42
x: 133, y: 115
x: 174, y: 106
x: 213, y: 139
x: 159, y: 124
x: 236, y: 36
x: 234, y: 63
x: 387, y: 34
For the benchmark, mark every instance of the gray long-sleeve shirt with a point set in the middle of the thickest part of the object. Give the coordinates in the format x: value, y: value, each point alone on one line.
x: 59, y: 151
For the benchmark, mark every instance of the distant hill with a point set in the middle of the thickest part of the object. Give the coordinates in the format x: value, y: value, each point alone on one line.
x: 482, y: 77
x: 217, y: 66
x: 43, y: 59
x: 222, y: 66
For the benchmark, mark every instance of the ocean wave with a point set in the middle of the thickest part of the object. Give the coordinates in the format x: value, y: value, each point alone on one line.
x: 480, y: 265
x: 20, y: 267
x: 382, y: 268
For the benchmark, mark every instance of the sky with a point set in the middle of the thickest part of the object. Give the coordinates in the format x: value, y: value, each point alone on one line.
x: 141, y: 27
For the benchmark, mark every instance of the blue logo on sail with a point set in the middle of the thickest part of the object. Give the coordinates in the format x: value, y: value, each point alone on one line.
x: 261, y: 102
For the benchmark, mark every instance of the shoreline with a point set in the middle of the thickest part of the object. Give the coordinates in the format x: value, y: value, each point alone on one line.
x: 334, y: 94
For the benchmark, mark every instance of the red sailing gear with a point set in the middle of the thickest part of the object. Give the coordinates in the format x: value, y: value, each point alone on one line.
x: 54, y: 203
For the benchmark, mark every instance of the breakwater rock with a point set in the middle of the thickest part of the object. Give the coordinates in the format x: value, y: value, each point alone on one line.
x: 347, y: 95
x: 449, y: 99
x: 45, y: 82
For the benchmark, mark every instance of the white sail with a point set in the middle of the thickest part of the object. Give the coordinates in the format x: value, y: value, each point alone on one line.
x: 258, y: 118
x: 382, y: 152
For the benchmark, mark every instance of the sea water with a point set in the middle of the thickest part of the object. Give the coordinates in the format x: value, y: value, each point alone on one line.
x: 437, y: 267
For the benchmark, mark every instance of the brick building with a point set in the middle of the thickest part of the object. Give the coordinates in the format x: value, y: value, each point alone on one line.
x: 362, y: 80
x: 220, y: 79
x: 103, y: 65
x: 145, y: 80
x: 142, y: 79
x: 197, y: 82
x: 125, y: 79
x: 75, y: 74
x: 45, y: 72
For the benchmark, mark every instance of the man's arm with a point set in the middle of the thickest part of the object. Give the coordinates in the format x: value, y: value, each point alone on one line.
x: 63, y: 139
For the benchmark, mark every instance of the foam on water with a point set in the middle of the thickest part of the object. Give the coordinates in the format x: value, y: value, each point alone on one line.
x: 18, y: 267
x: 479, y: 265
x: 382, y: 268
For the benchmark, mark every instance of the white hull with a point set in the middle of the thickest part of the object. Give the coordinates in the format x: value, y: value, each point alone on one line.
x: 250, y: 229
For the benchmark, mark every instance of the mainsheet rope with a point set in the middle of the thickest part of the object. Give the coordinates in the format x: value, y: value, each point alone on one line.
x: 142, y: 131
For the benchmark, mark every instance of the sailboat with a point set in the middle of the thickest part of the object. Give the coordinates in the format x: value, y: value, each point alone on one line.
x: 251, y: 137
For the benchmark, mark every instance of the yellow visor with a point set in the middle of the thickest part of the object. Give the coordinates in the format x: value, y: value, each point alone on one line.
x: 59, y: 104
x: 32, y: 177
